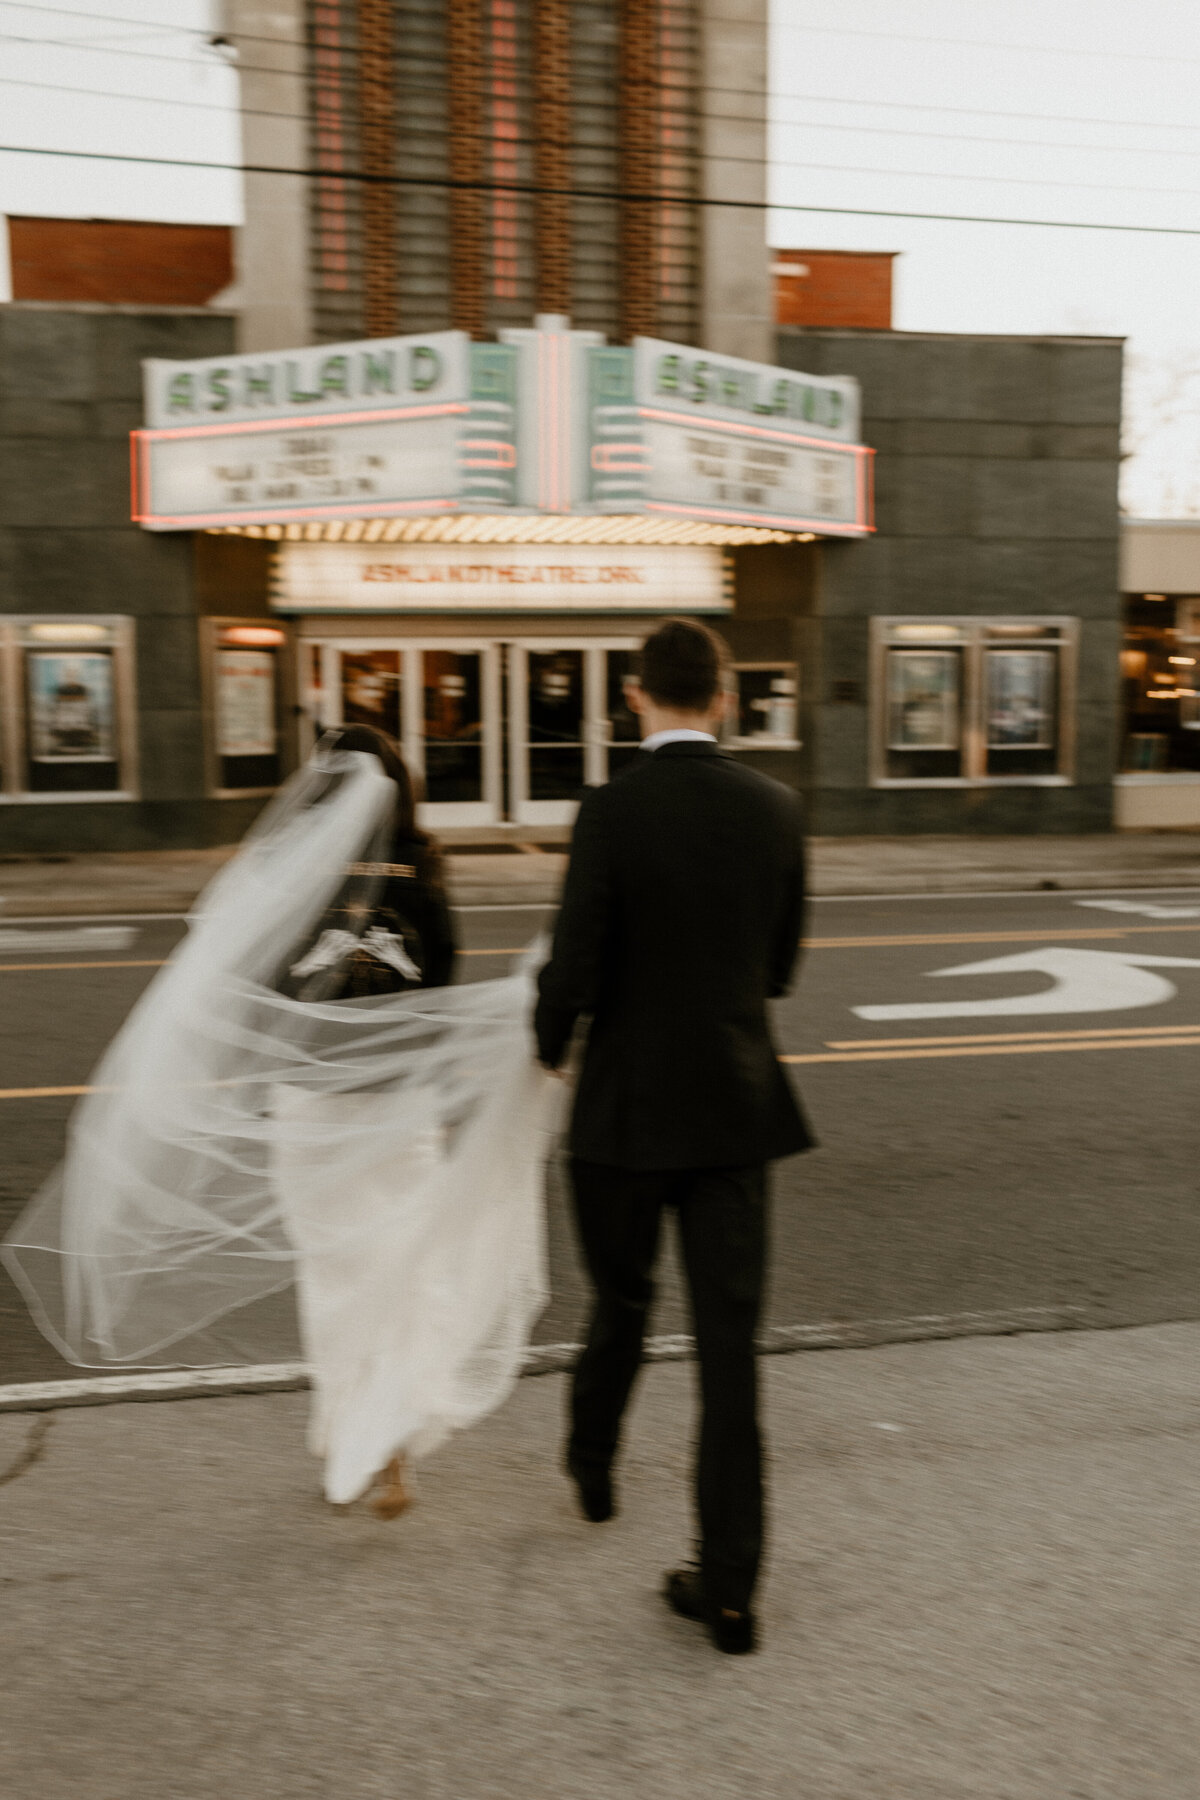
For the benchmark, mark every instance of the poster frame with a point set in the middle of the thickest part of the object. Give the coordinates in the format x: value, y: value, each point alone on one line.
x: 286, y: 747
x: 998, y: 656
x: 17, y: 639
x: 950, y: 695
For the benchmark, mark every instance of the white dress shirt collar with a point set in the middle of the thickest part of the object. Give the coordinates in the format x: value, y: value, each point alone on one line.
x: 657, y: 739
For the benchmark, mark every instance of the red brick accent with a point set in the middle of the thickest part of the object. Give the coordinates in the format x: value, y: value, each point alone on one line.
x: 468, y: 311
x: 834, y: 287
x: 552, y: 154
x: 377, y: 116
x: 638, y: 102
x: 118, y: 261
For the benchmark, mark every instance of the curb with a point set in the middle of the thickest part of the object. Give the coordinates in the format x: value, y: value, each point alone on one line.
x: 998, y: 881
x: 539, y: 1359
x: 825, y: 884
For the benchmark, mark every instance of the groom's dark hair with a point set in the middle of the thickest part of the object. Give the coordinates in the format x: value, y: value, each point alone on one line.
x: 683, y: 665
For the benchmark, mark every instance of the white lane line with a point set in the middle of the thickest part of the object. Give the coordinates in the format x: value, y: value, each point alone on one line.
x: 541, y: 1359
x: 933, y: 896
x: 1148, y: 909
x: 75, y: 937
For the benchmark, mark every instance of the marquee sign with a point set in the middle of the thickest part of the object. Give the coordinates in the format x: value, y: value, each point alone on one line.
x: 679, y: 432
x: 545, y: 420
x: 391, y: 425
x: 482, y: 578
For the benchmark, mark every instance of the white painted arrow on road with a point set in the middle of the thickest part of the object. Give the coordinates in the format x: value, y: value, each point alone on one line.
x: 1083, y: 981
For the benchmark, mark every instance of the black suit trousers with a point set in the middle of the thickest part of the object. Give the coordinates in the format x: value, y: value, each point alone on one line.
x: 722, y: 1229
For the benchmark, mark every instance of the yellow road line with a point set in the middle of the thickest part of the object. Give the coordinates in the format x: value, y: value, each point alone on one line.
x: 838, y: 943
x: 1025, y: 1049
x: 46, y: 1093
x: 148, y: 963
x: 892, y: 1055
x: 1009, y: 1037
x: 989, y: 937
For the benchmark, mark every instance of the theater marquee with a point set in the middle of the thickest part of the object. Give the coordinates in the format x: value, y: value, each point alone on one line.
x: 473, y: 578
x: 544, y: 421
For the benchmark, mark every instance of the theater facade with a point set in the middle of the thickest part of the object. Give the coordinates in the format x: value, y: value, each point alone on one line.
x: 909, y: 541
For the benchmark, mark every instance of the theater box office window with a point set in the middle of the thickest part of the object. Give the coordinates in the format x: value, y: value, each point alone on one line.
x: 67, y: 716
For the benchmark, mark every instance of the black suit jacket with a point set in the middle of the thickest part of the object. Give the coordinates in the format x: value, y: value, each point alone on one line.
x: 681, y: 916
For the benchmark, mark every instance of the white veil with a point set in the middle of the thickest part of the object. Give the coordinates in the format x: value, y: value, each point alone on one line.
x: 232, y: 1133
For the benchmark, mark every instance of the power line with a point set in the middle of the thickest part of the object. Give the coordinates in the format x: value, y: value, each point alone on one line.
x: 774, y: 162
x: 304, y: 46
x: 914, y: 37
x: 959, y: 137
x: 1105, y: 187
x: 985, y: 112
x: 841, y: 31
x: 632, y: 196
x: 820, y: 99
x: 75, y: 12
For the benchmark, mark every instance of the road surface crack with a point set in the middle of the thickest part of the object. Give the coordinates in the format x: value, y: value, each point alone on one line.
x: 35, y: 1449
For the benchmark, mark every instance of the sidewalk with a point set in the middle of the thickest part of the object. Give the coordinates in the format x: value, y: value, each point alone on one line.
x: 169, y: 880
x: 984, y: 1585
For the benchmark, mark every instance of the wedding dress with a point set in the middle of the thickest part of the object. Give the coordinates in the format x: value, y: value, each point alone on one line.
x: 380, y: 1158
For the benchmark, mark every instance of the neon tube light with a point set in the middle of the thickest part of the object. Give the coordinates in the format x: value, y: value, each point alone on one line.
x: 739, y: 430
x: 375, y: 509
x: 727, y: 516
x: 307, y: 422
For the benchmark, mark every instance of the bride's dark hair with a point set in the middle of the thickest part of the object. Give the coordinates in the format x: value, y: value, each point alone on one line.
x: 377, y: 743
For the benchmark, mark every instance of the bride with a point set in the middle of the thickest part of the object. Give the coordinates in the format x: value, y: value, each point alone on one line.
x: 286, y: 1110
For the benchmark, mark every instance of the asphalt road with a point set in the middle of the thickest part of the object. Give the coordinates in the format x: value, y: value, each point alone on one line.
x: 986, y: 1170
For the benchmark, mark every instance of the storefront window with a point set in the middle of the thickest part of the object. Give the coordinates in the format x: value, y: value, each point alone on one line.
x: 969, y: 701
x: 763, y: 715
x: 66, y: 722
x: 1161, y: 687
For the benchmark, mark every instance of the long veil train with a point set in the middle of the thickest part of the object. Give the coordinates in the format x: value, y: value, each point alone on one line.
x: 382, y: 1157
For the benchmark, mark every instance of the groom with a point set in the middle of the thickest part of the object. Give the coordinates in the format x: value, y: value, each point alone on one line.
x: 680, y: 918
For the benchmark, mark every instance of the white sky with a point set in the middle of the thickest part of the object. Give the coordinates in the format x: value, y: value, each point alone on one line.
x: 1082, y: 110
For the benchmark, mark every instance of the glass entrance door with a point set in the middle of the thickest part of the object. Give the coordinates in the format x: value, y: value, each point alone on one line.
x: 458, y: 717
x: 568, y: 722
x: 440, y: 701
x: 443, y: 700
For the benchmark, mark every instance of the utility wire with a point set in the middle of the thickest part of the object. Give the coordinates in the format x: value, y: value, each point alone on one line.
x: 774, y: 162
x: 782, y: 25
x: 899, y: 131
x: 916, y: 37
x: 827, y: 30
x: 631, y: 196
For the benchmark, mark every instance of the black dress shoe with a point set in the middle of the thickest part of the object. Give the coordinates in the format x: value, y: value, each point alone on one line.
x: 735, y: 1633
x: 595, y: 1490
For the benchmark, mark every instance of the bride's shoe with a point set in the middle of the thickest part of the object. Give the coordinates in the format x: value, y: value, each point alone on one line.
x: 395, y: 1495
